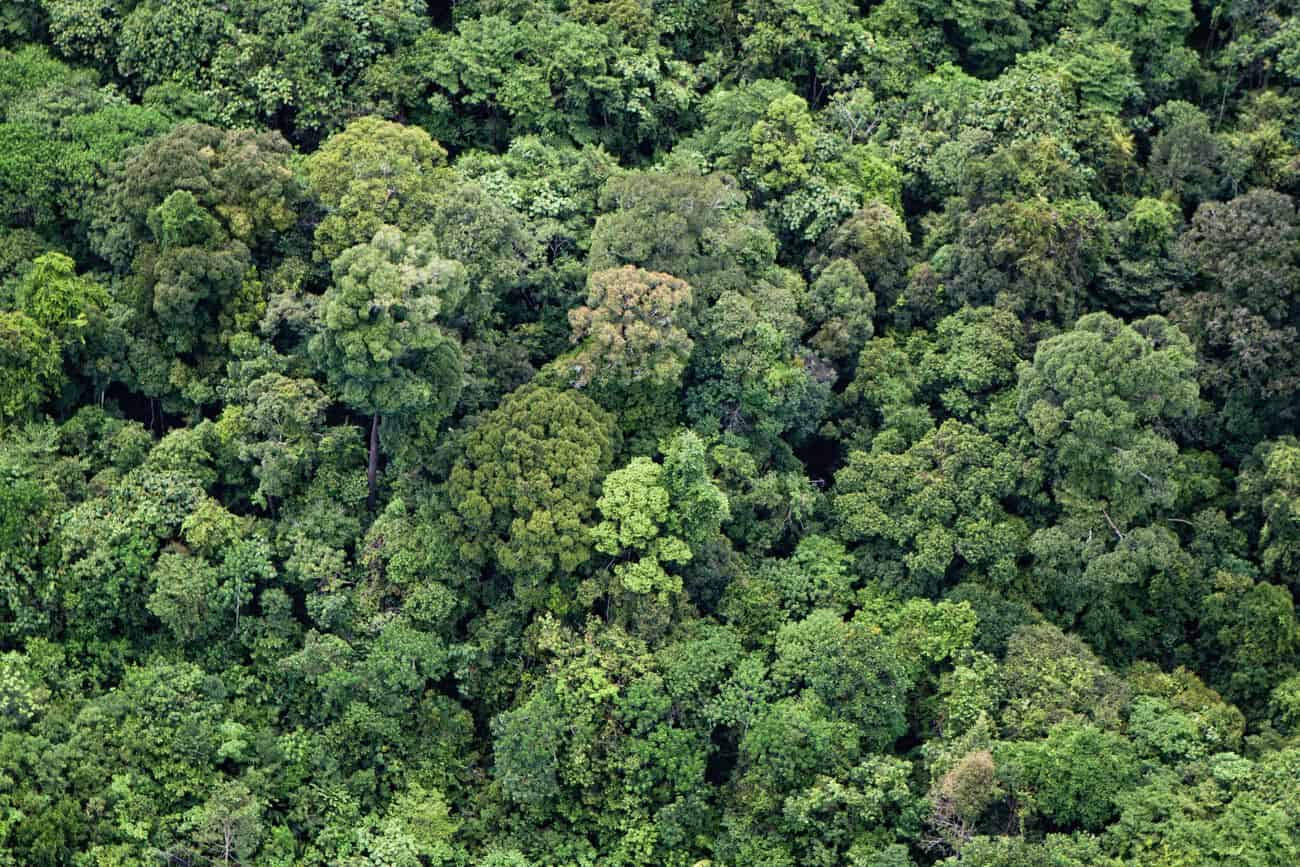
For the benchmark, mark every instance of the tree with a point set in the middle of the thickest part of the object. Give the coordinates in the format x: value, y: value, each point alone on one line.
x: 853, y: 671
x: 1140, y: 268
x: 1271, y: 484
x: 1255, y: 627
x: 960, y: 797
x: 1093, y: 398
x: 1245, y: 249
x: 965, y: 369
x: 694, y: 228
x: 498, y: 247
x: 876, y: 241
x: 162, y: 41
x: 59, y: 300
x: 934, y: 512
x: 634, y: 328
x: 86, y: 128
x: 188, y: 219
x: 241, y: 178
x: 781, y: 144
x: 1156, y: 35
x: 525, y: 485
x: 799, y: 41
x: 379, y: 342
x: 817, y: 575
x: 555, y: 188
x: 1074, y: 777
x: 655, y: 516
x: 633, y: 342
x: 1242, y: 311
x: 509, y: 72
x: 416, y: 827
x: 1186, y: 156
x: 1055, y: 850
x: 592, y: 757
x: 309, y: 68
x: 228, y: 825
x: 30, y: 365
x: 28, y: 178
x: 1036, y: 257
x: 1173, y: 816
x: 1133, y: 593
x: 729, y: 116
x: 373, y: 173
x: 841, y: 307
x: 278, y: 424
x: 196, y: 275
x: 185, y: 592
x: 1178, y: 717
x: 1051, y: 678
x: 1098, y: 400
x: 36, y: 490
x: 526, y: 743
x: 750, y: 375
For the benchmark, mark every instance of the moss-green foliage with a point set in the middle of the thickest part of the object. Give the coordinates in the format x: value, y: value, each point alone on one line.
x: 525, y: 486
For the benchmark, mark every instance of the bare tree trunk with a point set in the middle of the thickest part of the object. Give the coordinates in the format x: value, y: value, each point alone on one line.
x: 227, y: 840
x: 372, y: 471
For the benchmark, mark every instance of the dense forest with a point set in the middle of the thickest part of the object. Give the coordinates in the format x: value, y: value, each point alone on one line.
x: 748, y: 433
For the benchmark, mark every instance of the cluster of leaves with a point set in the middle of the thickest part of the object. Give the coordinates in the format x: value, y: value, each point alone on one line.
x: 771, y: 432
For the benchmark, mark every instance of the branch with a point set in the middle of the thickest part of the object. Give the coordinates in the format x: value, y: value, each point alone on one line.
x: 1118, y: 534
x: 1150, y: 481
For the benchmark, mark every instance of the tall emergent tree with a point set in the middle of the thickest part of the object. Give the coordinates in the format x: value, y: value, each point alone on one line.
x: 633, y: 344
x: 379, y: 343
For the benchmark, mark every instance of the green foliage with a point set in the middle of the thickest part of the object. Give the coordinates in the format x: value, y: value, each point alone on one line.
x: 655, y: 517
x: 500, y: 76
x: 1051, y: 678
x: 752, y: 378
x: 1034, y: 257
x: 190, y: 216
x: 1274, y: 484
x: 649, y: 432
x: 1241, y: 313
x: 841, y: 307
x: 29, y: 361
x: 1256, y: 628
x: 1225, y: 812
x: 781, y: 144
x: 1176, y: 716
x: 526, y: 484
x: 161, y: 41
x: 242, y: 178
x: 702, y: 232
x: 373, y: 173
x: 1074, y: 777
x: 28, y: 177
x: 57, y: 299
x: 1092, y: 397
x: 278, y: 422
x: 876, y: 241
x: 936, y: 510
x: 379, y: 344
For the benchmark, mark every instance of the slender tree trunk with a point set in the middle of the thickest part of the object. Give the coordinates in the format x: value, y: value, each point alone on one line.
x: 372, y: 471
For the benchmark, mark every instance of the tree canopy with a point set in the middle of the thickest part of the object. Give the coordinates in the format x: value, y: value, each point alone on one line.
x: 649, y: 433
